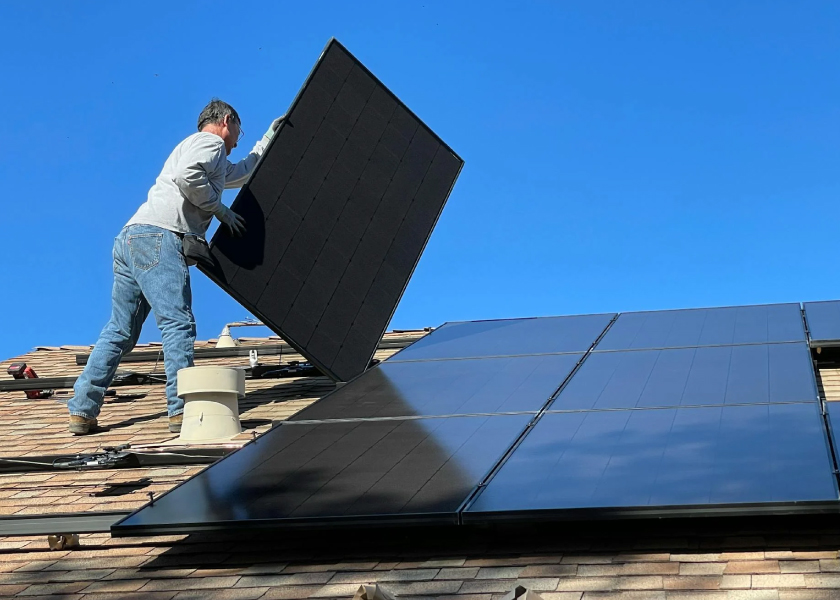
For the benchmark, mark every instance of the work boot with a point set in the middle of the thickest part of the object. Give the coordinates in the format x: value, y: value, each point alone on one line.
x: 81, y: 425
x: 175, y: 423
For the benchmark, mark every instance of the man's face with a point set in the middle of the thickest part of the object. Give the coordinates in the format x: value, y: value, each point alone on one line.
x: 230, y: 133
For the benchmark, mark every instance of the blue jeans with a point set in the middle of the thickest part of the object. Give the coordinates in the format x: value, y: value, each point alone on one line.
x: 150, y: 274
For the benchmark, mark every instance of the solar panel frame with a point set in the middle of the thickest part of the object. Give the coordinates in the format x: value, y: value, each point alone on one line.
x: 313, y: 281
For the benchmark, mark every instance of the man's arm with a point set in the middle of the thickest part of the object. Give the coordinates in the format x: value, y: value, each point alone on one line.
x: 237, y: 174
x: 192, y: 175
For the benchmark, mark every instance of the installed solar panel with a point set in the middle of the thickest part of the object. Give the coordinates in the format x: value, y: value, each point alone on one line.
x: 618, y: 462
x: 418, y: 470
x: 705, y: 327
x: 489, y: 385
x: 508, y: 337
x: 339, y: 211
x: 823, y: 322
x: 692, y: 376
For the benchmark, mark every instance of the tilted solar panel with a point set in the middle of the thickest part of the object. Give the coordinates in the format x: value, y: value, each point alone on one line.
x: 338, y: 211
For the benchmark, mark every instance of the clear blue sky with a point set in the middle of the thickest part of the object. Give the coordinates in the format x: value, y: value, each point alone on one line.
x: 619, y: 155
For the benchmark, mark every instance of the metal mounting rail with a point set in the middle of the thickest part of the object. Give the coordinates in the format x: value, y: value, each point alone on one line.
x: 84, y: 522
x: 51, y: 383
x: 263, y: 350
x: 127, y: 378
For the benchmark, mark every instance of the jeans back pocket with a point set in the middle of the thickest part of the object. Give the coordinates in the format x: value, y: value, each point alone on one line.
x: 145, y: 250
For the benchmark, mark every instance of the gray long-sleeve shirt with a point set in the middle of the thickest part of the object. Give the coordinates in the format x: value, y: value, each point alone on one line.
x: 188, y: 191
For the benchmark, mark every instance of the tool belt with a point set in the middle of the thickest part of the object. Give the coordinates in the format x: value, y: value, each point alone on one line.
x: 196, y: 251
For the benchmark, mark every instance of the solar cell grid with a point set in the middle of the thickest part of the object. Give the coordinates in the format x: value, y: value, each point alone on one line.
x: 338, y: 210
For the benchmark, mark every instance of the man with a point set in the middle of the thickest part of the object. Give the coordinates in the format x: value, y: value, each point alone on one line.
x: 150, y: 272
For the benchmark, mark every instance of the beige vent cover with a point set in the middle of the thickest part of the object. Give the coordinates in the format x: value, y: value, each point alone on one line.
x: 211, y: 403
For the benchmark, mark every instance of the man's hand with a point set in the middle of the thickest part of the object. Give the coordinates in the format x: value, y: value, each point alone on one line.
x: 234, y: 222
x: 273, y: 128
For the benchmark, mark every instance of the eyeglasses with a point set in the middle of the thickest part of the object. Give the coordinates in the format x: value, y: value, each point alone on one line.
x: 238, y: 124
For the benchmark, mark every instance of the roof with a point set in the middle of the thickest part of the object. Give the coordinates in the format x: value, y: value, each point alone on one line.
x: 783, y: 558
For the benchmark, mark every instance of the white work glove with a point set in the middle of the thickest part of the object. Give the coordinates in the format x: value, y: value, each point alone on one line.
x: 234, y: 222
x: 273, y: 128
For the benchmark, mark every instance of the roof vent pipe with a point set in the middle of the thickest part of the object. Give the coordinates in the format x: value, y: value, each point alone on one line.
x: 226, y: 340
x: 211, y: 403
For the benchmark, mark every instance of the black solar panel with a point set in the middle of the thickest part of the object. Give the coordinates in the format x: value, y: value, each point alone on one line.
x: 418, y: 470
x: 692, y: 376
x: 615, y: 462
x: 508, y: 337
x: 823, y: 322
x: 490, y: 385
x: 339, y: 210
x: 705, y: 327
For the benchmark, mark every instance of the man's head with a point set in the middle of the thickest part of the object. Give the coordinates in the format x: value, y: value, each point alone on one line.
x: 222, y: 119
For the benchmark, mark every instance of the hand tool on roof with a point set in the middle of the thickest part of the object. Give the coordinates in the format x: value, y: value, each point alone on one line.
x: 21, y: 371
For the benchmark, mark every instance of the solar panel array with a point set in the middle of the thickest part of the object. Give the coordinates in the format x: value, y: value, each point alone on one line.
x: 632, y: 429
x: 338, y: 211
x: 595, y: 416
x: 687, y: 412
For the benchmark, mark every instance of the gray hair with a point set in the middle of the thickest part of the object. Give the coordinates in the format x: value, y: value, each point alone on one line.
x: 215, y: 112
